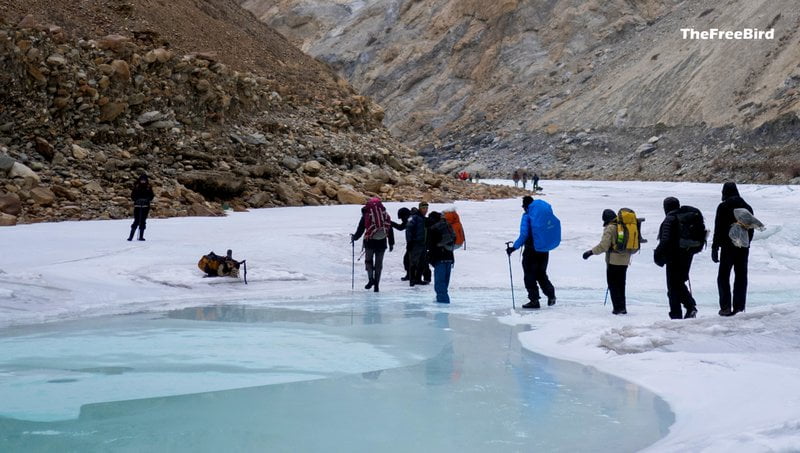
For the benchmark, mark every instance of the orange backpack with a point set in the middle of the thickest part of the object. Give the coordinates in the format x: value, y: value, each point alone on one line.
x: 455, y: 223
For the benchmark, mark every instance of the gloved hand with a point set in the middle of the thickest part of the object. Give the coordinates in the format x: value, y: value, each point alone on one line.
x: 658, y: 259
x: 587, y: 254
x: 509, y: 250
x: 352, y: 236
x: 715, y: 254
x: 391, y: 247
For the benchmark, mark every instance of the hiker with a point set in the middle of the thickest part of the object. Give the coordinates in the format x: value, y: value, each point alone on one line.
x: 142, y: 194
x: 728, y: 255
x: 440, y: 246
x: 538, y: 240
x: 515, y: 176
x: 678, y: 261
x: 477, y: 177
x: 403, y: 214
x: 536, y: 182
x: 524, y: 179
x: 375, y: 224
x: 416, y: 244
x: 617, y: 261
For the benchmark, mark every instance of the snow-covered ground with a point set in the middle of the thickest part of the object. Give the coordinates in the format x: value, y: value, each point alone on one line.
x: 733, y: 383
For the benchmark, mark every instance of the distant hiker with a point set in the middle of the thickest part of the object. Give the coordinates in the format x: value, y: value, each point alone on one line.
x: 524, y: 179
x: 440, y: 245
x: 416, y: 244
x: 732, y: 256
x: 477, y: 177
x: 617, y: 261
x: 516, y: 176
x: 678, y: 240
x: 539, y: 232
x: 403, y: 214
x: 536, y: 182
x: 376, y: 226
x: 142, y: 194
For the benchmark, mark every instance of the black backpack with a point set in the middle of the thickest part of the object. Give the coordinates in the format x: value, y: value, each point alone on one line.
x: 692, y: 228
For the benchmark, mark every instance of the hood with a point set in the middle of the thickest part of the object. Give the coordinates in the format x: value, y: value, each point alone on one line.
x: 729, y: 190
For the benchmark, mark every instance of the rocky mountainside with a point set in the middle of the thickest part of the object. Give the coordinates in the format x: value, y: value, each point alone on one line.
x: 83, y: 112
x: 572, y: 88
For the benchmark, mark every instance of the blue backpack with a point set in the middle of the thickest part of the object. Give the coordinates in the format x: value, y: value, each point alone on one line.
x: 545, y: 226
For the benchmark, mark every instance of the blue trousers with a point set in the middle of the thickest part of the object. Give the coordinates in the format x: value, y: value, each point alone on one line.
x: 441, y: 280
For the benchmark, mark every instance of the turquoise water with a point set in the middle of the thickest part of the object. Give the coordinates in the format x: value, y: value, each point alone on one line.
x: 369, y: 376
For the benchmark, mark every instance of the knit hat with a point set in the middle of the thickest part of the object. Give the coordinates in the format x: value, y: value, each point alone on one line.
x: 729, y: 190
x: 608, y: 216
x: 526, y: 201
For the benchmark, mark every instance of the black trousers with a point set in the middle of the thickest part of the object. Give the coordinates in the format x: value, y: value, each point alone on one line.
x: 615, y: 277
x: 373, y: 261
x: 417, y: 262
x: 732, y: 258
x: 677, y: 291
x: 140, y: 218
x: 534, y: 265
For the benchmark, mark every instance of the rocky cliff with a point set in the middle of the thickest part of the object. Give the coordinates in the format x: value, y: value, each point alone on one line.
x: 82, y: 114
x: 572, y: 88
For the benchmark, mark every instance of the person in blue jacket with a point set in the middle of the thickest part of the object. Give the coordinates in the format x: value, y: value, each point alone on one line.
x: 534, y: 263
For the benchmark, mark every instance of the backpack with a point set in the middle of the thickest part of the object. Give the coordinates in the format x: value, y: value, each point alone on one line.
x: 448, y: 241
x: 455, y: 223
x: 629, y: 231
x: 219, y: 266
x: 545, y: 226
x: 376, y: 220
x: 693, y: 231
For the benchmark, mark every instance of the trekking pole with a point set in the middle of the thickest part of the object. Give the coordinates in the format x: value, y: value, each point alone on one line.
x: 244, y: 263
x: 511, y: 277
x: 353, y: 270
x: 606, y: 299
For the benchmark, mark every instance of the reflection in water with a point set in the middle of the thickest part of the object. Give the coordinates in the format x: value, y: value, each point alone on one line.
x: 464, y: 385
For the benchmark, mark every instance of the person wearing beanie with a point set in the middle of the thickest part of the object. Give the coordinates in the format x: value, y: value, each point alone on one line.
x: 729, y: 256
x: 141, y: 194
x: 534, y: 263
x: 440, y: 245
x: 616, y: 262
x: 403, y: 214
x: 677, y: 260
x: 416, y: 245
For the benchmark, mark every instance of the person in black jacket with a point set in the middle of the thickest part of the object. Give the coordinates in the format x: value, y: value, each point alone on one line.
x: 142, y: 194
x: 731, y: 257
x: 416, y: 244
x: 440, y: 242
x: 678, y: 261
x: 374, y: 246
x: 403, y: 214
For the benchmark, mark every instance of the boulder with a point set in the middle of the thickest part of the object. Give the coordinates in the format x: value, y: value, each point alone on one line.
x: 7, y: 219
x: 291, y: 163
x: 43, y: 196
x: 110, y: 111
x: 312, y: 167
x: 10, y: 204
x: 44, y: 149
x: 202, y: 210
x: 79, y: 152
x: 259, y: 200
x: 645, y: 149
x: 348, y: 195
x: 213, y: 184
x: 289, y: 195
x: 19, y: 170
x: 6, y: 162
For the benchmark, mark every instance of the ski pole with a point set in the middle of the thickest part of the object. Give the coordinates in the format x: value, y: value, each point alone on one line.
x: 511, y: 277
x: 606, y: 299
x: 353, y: 270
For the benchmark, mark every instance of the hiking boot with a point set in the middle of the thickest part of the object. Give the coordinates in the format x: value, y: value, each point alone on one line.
x: 376, y: 287
x: 532, y: 304
x: 551, y: 301
x: 133, y: 231
x: 737, y: 311
x: 422, y: 282
x: 369, y: 284
x: 691, y: 313
x: 619, y: 312
x: 726, y: 312
x: 141, y: 235
x: 404, y: 278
